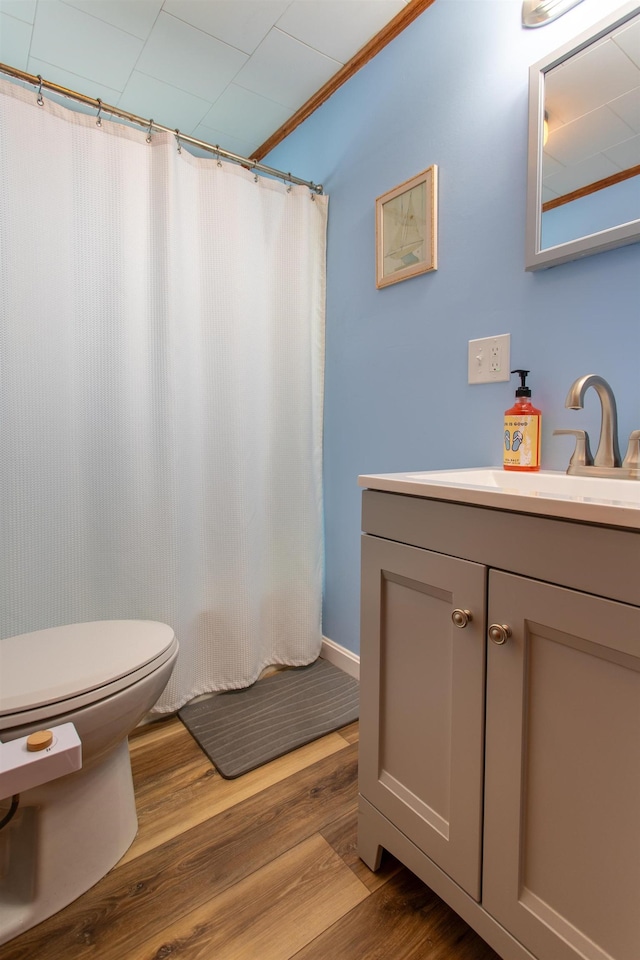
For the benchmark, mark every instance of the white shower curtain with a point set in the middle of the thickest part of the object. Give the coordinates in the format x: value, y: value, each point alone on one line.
x: 161, y: 378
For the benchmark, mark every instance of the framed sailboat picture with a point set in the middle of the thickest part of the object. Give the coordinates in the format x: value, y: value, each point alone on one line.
x: 406, y: 229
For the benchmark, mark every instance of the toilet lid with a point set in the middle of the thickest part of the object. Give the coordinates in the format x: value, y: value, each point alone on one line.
x: 53, y: 665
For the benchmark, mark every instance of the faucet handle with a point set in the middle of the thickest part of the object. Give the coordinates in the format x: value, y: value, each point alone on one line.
x: 582, y: 456
x: 631, y: 461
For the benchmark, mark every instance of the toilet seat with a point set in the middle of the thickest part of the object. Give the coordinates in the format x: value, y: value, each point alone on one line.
x: 51, y: 672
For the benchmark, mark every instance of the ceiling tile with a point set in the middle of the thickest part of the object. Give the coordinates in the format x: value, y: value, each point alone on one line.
x: 575, y: 141
x: 581, y: 175
x: 628, y: 108
x: 73, y: 82
x: 586, y: 82
x: 245, y: 115
x: 154, y: 100
x: 626, y: 154
x: 242, y: 25
x: 549, y: 166
x: 628, y: 39
x: 65, y: 36
x: 133, y: 16
x: 186, y: 63
x: 278, y: 60
x: 188, y: 58
x: 20, y: 9
x: 240, y: 147
x: 15, y: 37
x: 337, y: 28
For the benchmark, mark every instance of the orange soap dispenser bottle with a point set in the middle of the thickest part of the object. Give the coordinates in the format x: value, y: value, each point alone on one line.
x: 521, y: 447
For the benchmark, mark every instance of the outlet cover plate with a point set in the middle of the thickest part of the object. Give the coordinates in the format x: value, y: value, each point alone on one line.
x: 490, y: 359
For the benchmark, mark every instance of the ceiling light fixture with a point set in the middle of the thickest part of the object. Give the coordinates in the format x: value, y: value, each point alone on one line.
x: 536, y: 13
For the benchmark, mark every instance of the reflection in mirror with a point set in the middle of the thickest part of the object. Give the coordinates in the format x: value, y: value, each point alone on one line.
x: 584, y: 144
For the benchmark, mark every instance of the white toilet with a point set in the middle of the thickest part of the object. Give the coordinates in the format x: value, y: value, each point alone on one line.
x: 67, y: 834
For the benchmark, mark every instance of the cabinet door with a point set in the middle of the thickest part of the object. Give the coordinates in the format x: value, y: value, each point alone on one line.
x: 562, y: 788
x: 422, y: 700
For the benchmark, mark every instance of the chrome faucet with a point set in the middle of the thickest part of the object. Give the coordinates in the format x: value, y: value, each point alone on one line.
x: 607, y: 461
x: 608, y: 452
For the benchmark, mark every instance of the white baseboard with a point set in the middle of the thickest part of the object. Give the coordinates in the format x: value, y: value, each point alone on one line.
x: 341, y: 657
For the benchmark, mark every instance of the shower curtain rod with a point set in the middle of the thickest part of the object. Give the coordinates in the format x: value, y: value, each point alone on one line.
x: 37, y: 81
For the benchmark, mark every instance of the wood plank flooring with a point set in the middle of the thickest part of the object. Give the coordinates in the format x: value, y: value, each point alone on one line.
x: 259, y: 868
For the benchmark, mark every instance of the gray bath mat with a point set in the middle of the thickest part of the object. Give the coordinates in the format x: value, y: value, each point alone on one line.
x: 242, y: 729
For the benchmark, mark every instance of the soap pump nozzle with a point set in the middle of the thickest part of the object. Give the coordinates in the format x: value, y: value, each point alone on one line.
x: 523, y: 390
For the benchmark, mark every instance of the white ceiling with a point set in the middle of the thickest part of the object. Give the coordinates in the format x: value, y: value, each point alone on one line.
x: 593, y: 106
x: 229, y: 72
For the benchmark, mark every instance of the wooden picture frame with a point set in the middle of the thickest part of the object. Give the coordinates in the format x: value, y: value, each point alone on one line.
x: 406, y: 229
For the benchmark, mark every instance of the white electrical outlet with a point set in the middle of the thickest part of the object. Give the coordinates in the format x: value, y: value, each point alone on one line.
x: 490, y: 359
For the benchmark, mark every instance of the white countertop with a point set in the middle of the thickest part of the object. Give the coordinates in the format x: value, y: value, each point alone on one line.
x: 548, y: 493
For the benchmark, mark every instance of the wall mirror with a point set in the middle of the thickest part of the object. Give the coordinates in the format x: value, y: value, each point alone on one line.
x: 583, y: 185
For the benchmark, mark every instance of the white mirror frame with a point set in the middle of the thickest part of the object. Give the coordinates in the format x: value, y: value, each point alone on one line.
x: 537, y: 258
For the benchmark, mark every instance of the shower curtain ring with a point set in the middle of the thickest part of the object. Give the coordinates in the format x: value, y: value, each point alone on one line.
x: 149, y: 131
x: 218, y: 160
x: 178, y: 140
x: 98, y: 119
x: 40, y: 100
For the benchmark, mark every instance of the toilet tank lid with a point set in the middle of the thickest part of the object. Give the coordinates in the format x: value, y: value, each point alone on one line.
x: 55, y: 664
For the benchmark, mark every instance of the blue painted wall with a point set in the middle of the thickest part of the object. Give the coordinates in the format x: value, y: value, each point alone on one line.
x: 451, y: 90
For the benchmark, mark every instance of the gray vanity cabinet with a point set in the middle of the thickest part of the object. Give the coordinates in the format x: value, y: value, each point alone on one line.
x: 505, y: 775
x: 422, y: 689
x: 562, y: 781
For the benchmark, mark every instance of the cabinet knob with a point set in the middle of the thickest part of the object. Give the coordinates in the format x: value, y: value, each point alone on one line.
x: 461, y: 618
x: 499, y: 632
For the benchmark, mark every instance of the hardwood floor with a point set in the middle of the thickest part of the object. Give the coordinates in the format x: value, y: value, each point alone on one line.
x: 259, y: 868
